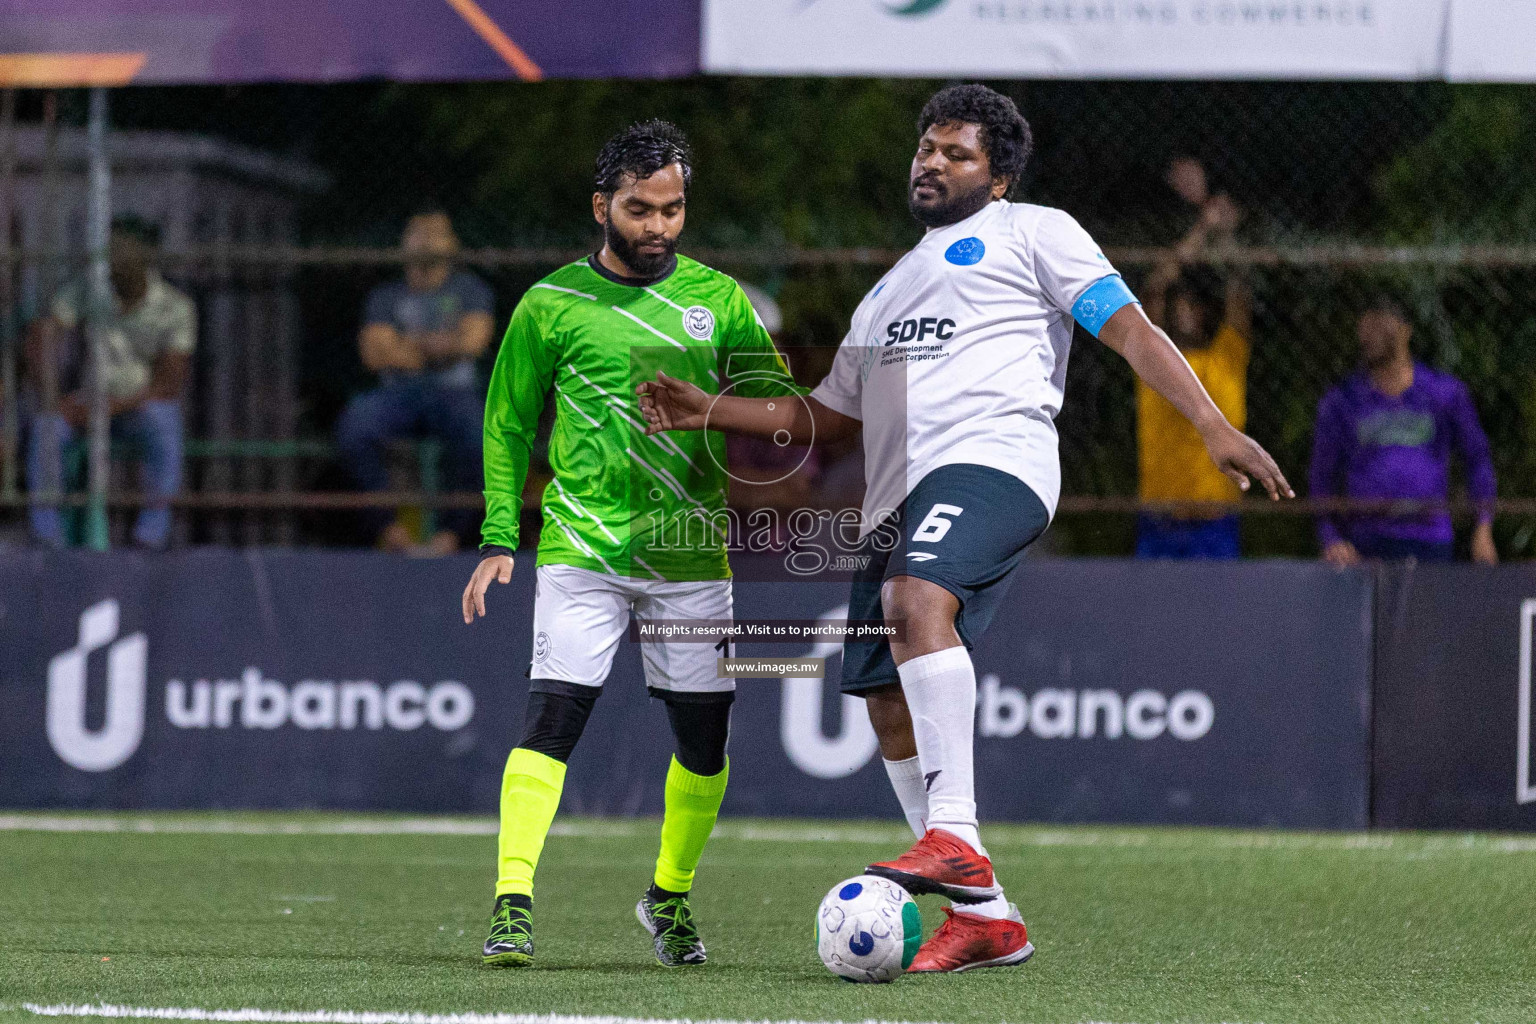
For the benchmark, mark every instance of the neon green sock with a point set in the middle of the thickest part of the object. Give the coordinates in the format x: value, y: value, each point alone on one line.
x: 693, y: 804
x: 530, y: 792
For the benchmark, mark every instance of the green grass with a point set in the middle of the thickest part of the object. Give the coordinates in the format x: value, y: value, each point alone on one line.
x: 1132, y: 925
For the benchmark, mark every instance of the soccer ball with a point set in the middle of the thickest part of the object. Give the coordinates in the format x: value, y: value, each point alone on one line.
x: 868, y: 929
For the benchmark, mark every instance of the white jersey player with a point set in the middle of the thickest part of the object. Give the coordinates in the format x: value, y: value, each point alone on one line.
x: 954, y: 369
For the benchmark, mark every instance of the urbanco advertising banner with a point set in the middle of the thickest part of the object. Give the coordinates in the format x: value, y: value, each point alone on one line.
x: 1364, y: 39
x: 1115, y: 691
x: 1109, y: 691
x: 228, y: 679
x: 1453, y: 732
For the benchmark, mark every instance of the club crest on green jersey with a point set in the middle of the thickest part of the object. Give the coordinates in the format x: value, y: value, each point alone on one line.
x: 699, y: 322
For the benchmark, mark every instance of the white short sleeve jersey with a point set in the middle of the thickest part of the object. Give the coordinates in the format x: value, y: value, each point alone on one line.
x: 959, y: 354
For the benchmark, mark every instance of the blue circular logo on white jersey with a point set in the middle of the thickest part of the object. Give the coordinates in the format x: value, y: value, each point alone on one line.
x: 966, y: 252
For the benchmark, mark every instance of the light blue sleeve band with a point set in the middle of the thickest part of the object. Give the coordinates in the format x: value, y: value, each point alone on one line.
x: 1103, y: 299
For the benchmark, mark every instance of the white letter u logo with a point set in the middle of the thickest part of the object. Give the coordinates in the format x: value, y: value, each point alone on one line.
x: 120, y: 734
x: 810, y: 749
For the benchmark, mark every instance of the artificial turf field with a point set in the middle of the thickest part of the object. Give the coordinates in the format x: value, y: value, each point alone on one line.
x: 315, y: 912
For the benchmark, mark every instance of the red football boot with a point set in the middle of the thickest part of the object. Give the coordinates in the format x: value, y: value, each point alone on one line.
x: 945, y: 865
x: 967, y: 941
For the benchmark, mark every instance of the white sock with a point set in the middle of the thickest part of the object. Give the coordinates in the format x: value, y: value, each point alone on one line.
x: 941, y: 693
x: 907, y: 780
x: 996, y: 908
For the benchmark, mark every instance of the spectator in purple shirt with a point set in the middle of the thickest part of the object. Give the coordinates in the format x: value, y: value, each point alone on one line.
x: 1387, y: 433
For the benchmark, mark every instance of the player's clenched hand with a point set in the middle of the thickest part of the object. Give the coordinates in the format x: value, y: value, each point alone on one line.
x: 1240, y: 457
x: 492, y: 567
x: 671, y: 404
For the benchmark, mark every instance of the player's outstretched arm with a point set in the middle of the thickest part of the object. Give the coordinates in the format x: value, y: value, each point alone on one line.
x: 1156, y: 360
x: 492, y: 568
x: 672, y: 404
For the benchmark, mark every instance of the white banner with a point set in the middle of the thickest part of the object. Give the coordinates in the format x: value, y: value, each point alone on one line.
x: 1493, y: 41
x: 1363, y: 39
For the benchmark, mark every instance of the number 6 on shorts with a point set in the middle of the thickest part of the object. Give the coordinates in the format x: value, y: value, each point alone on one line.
x: 934, y: 526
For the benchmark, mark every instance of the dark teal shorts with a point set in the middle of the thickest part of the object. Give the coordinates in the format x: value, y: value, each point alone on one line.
x: 963, y: 527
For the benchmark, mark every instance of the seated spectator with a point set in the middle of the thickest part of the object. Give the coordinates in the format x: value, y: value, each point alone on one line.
x: 1214, y: 336
x: 1387, y: 433
x: 421, y: 334
x: 151, y: 331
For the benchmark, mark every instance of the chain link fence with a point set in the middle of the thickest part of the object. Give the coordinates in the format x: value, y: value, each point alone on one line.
x: 279, y: 208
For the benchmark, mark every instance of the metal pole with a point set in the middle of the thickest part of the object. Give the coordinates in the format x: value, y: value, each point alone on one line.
x: 98, y: 222
x: 218, y: 474
x: 10, y: 423
x: 49, y: 487
x: 51, y: 242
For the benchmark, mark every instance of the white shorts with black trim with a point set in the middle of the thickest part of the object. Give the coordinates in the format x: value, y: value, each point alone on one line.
x: 579, y: 617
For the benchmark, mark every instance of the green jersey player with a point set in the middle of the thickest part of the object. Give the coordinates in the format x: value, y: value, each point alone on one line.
x: 632, y: 523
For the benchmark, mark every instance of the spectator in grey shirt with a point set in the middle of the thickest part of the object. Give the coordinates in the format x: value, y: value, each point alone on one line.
x: 421, y: 334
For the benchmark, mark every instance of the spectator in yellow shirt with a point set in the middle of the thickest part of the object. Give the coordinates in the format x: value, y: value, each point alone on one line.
x: 1214, y: 335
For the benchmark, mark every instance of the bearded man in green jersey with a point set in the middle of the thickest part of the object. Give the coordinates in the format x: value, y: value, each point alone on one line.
x: 633, y: 525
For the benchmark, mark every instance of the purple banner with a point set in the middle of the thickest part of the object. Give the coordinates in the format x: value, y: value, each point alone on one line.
x: 117, y: 42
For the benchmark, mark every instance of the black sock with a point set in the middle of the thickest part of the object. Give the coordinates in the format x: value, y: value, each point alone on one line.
x: 656, y: 894
x: 701, y: 731
x: 556, y: 717
x: 517, y: 899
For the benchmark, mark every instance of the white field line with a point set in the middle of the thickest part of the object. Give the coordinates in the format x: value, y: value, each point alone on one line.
x: 233, y: 826
x: 1413, y: 844
x: 248, y: 1015
x: 373, y: 1017
x: 256, y: 1016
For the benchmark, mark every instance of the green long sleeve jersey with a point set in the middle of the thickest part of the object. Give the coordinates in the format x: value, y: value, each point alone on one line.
x: 620, y: 502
